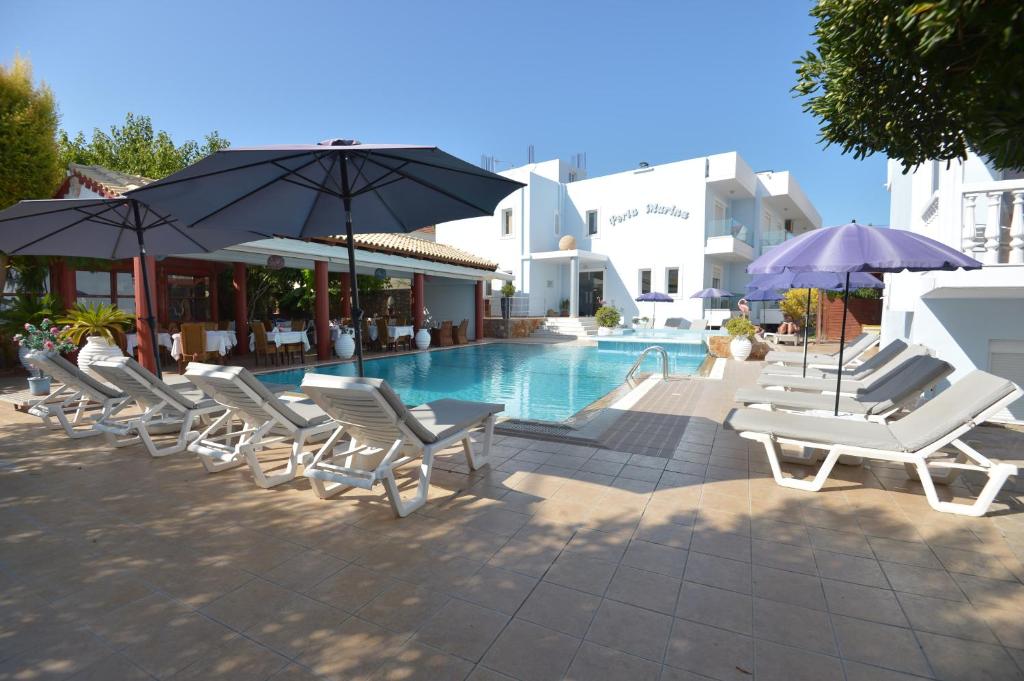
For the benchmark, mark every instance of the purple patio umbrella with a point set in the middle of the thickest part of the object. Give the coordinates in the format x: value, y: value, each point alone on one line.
x: 712, y: 293
x: 859, y: 248
x: 829, y: 281
x: 107, y: 228
x: 310, y: 190
x: 654, y: 297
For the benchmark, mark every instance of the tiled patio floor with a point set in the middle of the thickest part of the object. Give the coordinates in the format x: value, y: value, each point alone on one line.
x: 671, y: 555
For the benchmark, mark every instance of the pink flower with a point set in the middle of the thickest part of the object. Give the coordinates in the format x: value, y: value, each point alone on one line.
x: 54, y: 330
x: 28, y: 327
x: 48, y: 345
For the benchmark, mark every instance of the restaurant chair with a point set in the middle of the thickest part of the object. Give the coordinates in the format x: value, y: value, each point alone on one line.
x: 209, y: 326
x: 263, y: 347
x: 384, y: 337
x: 193, y: 345
x: 224, y: 325
x: 298, y: 325
x: 446, y: 334
x: 460, y: 333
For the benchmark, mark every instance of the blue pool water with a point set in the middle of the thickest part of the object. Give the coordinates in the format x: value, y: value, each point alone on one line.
x: 540, y: 382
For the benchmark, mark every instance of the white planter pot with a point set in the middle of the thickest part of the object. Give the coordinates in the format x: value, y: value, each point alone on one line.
x: 95, y: 349
x: 740, y: 348
x: 604, y: 331
x: 422, y: 339
x: 344, y: 346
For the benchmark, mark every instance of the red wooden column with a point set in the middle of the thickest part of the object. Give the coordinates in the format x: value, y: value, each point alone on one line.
x: 418, y: 300
x: 142, y: 308
x: 239, y: 282
x: 62, y: 282
x: 322, y: 310
x: 346, y: 295
x: 214, y: 294
x: 479, y: 322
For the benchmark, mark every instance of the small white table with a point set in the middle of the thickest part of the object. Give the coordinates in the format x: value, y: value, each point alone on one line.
x: 280, y: 338
x: 393, y: 331
x: 132, y: 341
x: 216, y: 341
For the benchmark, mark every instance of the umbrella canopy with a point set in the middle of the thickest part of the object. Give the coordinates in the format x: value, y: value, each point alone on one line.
x: 712, y: 293
x: 829, y: 281
x: 320, y: 189
x: 107, y: 228
x: 762, y: 295
x: 854, y: 248
x: 860, y: 248
x: 654, y: 297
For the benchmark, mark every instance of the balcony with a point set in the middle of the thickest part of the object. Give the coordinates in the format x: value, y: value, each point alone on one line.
x: 773, y: 238
x: 992, y: 229
x: 729, y: 240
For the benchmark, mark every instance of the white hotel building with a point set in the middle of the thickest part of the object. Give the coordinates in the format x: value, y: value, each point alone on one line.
x: 674, y: 228
x: 973, y: 320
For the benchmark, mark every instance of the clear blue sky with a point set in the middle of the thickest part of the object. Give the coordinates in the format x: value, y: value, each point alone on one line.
x: 624, y: 82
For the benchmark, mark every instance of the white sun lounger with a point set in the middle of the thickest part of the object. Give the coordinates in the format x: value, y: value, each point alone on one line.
x: 903, y: 390
x: 916, y: 440
x: 866, y: 367
x: 856, y: 347
x: 164, y: 408
x: 78, y: 394
x: 267, y: 420
x: 385, y: 435
x: 851, y: 385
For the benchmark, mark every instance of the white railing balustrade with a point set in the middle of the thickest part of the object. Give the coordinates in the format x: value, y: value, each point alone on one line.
x: 993, y: 222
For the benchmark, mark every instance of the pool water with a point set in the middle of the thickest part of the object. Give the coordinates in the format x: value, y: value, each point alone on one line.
x: 539, y: 382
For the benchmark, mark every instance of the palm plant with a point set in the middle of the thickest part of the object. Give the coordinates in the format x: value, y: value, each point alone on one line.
x: 27, y: 309
x: 94, y: 320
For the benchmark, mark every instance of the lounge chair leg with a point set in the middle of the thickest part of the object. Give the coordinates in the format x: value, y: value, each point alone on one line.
x: 772, y: 450
x: 476, y: 461
x: 401, y: 507
x: 267, y: 481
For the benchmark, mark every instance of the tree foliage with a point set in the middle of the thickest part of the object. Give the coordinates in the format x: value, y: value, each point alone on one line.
x: 29, y: 166
x: 136, y: 148
x: 918, y: 81
x: 794, y: 304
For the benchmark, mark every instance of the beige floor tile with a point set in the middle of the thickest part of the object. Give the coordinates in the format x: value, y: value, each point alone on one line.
x: 577, y: 571
x: 711, y: 652
x: 252, y: 602
x: 531, y: 652
x: 773, y: 662
x: 718, y: 572
x: 653, y: 557
x: 716, y: 607
x: 953, y: 658
x: 307, y: 568
x: 784, y: 556
x: 722, y: 544
x: 57, y: 653
x: 417, y: 662
x: 788, y: 587
x: 631, y: 630
x: 605, y: 546
x: 560, y: 608
x: 654, y: 529
x: 299, y: 623
x: 865, y: 602
x: 351, y: 587
x: 911, y: 553
x: 482, y: 673
x: 880, y: 645
x: 793, y: 625
x: 356, y: 650
x: 295, y: 672
x: 852, y: 543
x: 462, y: 629
x: 496, y: 589
x: 110, y: 668
x: 922, y: 581
x: 849, y: 568
x: 973, y: 563
x: 183, y: 641
x: 531, y: 558
x: 951, y: 618
x: 597, y: 663
x: 237, y: 660
x: 403, y: 608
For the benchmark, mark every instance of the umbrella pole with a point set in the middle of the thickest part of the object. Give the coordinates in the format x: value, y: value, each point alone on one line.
x: 842, y: 341
x: 357, y: 313
x: 150, y: 319
x: 807, y: 322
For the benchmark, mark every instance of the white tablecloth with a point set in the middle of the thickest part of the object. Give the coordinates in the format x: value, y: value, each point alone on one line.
x: 216, y: 341
x: 163, y: 338
x: 280, y: 338
x: 393, y: 331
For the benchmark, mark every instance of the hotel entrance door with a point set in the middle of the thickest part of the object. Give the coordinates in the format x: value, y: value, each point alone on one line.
x: 591, y: 292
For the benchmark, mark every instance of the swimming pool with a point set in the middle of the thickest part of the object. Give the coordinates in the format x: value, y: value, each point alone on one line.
x: 539, y: 382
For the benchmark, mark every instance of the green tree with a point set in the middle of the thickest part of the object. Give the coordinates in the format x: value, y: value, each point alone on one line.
x: 136, y: 148
x: 918, y: 81
x: 794, y: 304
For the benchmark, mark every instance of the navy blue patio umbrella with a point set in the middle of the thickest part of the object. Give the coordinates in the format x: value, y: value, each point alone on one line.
x: 653, y: 297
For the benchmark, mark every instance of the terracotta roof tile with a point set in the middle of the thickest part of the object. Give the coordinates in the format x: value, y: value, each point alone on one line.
x: 414, y: 247
x: 106, y: 181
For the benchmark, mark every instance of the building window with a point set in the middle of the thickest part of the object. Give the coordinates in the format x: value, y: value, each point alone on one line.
x: 188, y: 298
x: 506, y: 223
x: 592, y: 222
x: 720, y: 211
x: 672, y: 281
x: 645, y: 281
x: 716, y: 277
x: 109, y: 288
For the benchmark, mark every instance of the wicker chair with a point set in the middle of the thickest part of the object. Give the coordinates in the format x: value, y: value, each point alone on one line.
x: 460, y: 333
x: 224, y: 325
x: 298, y: 325
x: 446, y: 334
x: 263, y: 347
x: 193, y: 345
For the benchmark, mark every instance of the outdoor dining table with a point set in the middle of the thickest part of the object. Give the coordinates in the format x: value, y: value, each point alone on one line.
x: 393, y: 331
x: 132, y: 341
x: 216, y: 341
x: 280, y: 338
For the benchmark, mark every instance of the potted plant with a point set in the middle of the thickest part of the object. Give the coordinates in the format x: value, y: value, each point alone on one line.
x: 507, y: 291
x: 422, y: 337
x: 607, y: 318
x: 46, y: 339
x: 563, y: 307
x: 742, y: 333
x: 97, y: 324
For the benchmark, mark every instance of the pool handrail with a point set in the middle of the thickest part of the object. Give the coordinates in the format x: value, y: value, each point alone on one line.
x: 640, y: 359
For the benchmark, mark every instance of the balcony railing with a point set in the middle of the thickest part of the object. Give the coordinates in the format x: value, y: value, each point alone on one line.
x: 992, y: 228
x: 774, y: 238
x: 729, y: 227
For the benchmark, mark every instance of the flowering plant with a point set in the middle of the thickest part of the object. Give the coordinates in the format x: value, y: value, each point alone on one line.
x: 45, y: 337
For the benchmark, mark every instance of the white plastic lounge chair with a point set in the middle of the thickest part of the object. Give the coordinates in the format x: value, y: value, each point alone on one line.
x: 780, y: 338
x: 903, y: 390
x: 851, y: 385
x: 385, y: 435
x: 699, y: 325
x: 164, y: 408
x: 267, y: 420
x: 78, y: 395
x: 859, y: 371
x: 915, y: 440
x: 854, y: 349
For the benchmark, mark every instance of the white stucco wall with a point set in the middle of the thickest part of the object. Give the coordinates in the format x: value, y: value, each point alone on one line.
x: 451, y: 299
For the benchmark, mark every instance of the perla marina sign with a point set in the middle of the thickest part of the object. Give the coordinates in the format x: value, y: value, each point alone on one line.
x: 652, y: 209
